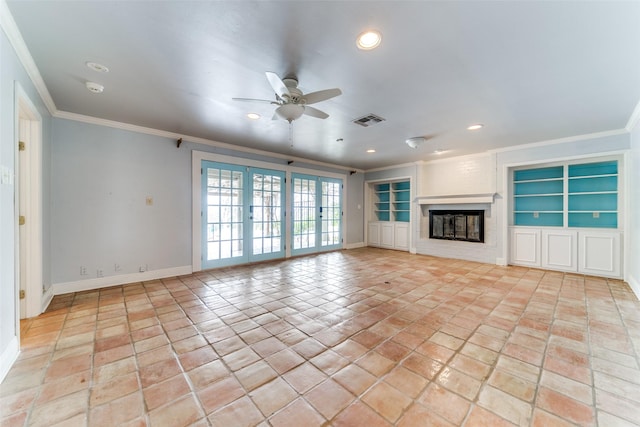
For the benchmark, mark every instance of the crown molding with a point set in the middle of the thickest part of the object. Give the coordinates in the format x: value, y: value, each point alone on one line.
x: 566, y: 140
x: 634, y: 119
x: 12, y: 32
x: 166, y: 134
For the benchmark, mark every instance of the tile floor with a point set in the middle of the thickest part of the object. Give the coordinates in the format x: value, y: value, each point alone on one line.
x: 365, y: 337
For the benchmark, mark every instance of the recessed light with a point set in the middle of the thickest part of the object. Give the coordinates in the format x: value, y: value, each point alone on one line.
x: 371, y: 150
x: 476, y: 126
x: 253, y: 116
x: 97, y: 67
x: 94, y: 87
x: 369, y: 39
x: 438, y: 151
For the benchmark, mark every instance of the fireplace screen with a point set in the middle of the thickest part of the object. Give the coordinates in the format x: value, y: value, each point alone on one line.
x: 457, y: 225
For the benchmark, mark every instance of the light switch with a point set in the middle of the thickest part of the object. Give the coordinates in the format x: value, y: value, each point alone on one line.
x: 536, y: 215
x: 596, y: 214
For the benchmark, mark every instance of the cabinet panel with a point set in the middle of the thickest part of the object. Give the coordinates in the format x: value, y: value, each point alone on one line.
x: 401, y: 236
x: 600, y: 253
x: 386, y: 235
x: 525, y: 247
x: 373, y: 234
x: 560, y: 250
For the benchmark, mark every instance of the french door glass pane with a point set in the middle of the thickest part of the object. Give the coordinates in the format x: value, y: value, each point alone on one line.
x: 331, y: 213
x: 224, y: 211
x: 304, y: 213
x: 266, y: 213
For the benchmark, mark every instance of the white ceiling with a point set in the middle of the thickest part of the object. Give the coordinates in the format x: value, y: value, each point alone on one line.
x: 530, y: 71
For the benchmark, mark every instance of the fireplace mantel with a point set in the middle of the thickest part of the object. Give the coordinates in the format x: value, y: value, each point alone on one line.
x: 455, y: 199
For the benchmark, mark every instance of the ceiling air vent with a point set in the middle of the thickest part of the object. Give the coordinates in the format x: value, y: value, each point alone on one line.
x: 368, y: 120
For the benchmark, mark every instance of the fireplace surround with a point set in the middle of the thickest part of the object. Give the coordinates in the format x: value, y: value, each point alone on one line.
x: 461, y: 225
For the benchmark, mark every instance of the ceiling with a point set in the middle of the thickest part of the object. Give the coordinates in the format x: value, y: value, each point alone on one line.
x: 528, y: 70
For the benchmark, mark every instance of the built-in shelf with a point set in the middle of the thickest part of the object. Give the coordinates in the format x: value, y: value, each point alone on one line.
x: 572, y: 195
x: 390, y: 214
x: 392, y: 201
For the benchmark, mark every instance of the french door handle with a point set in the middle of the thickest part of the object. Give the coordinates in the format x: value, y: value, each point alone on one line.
x: 250, y: 211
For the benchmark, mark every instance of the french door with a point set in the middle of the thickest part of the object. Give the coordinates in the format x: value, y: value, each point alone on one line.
x: 317, y: 214
x: 242, y: 215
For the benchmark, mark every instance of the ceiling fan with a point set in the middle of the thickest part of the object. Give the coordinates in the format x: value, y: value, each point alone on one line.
x: 291, y: 102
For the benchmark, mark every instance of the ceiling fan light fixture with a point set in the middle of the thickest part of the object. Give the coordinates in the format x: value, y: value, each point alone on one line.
x: 369, y: 39
x: 371, y: 150
x: 415, y: 142
x: 253, y: 116
x: 290, y: 112
x: 476, y: 126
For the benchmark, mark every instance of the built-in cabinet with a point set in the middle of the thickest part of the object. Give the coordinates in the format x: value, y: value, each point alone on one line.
x: 389, y: 214
x: 565, y: 217
x: 593, y: 252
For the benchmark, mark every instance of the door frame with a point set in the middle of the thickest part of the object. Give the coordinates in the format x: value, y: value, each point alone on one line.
x: 319, y: 180
x: 196, y: 195
x: 29, y: 194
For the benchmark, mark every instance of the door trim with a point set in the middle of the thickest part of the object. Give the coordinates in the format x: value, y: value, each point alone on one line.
x: 28, y: 127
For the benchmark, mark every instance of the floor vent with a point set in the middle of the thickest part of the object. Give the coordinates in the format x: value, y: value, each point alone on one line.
x: 368, y: 120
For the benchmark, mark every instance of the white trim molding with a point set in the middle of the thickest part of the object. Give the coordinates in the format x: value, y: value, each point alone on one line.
x: 635, y: 286
x: 104, y: 282
x: 15, y: 38
x: 455, y: 199
x: 8, y: 357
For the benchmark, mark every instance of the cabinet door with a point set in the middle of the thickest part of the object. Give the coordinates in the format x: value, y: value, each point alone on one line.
x: 560, y: 250
x: 401, y: 236
x: 386, y: 235
x: 525, y: 247
x: 373, y: 236
x: 600, y: 253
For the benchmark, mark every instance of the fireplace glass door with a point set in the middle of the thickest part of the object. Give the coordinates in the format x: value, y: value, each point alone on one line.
x: 457, y: 225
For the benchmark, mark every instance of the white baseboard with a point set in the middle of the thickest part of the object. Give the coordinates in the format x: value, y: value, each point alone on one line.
x: 355, y: 245
x: 47, y: 296
x: 104, y: 282
x: 8, y: 357
x: 501, y: 261
x: 635, y: 286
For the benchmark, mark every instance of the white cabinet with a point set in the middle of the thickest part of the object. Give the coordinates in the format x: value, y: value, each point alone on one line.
x: 389, y: 209
x: 594, y: 252
x: 525, y: 246
x: 401, y: 236
x: 559, y: 250
x: 373, y: 234
x: 386, y: 235
x: 601, y: 254
x: 389, y: 235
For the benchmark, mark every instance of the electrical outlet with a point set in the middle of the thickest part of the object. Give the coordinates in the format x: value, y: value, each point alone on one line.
x: 143, y: 268
x: 83, y: 271
x: 116, y: 267
x: 149, y: 201
x: 99, y: 273
x: 596, y: 214
x: 536, y: 215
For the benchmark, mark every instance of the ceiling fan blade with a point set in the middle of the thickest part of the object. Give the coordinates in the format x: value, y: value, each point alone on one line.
x: 321, y: 95
x: 278, y: 85
x: 254, y: 100
x: 314, y: 112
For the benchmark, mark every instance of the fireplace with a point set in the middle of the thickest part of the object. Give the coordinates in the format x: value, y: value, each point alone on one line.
x: 465, y: 225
